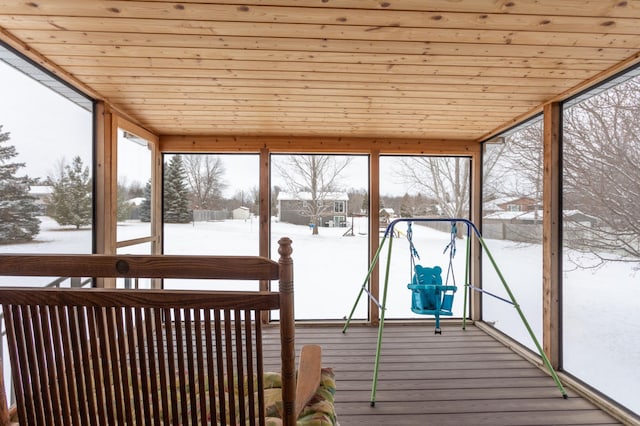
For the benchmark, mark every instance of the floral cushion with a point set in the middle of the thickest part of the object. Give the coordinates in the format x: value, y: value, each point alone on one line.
x: 319, y: 411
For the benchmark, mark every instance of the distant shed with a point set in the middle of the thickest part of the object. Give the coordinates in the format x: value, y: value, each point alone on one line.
x: 241, y: 213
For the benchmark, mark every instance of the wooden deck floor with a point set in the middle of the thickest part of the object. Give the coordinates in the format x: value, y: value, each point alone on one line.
x: 457, y: 378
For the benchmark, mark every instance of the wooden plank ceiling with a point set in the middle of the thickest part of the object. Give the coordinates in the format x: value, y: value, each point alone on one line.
x: 436, y: 69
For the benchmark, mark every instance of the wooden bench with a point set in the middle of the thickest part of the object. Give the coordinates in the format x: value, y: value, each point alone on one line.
x: 115, y: 356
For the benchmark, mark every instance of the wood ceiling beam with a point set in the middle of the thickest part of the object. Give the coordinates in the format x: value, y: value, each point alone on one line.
x: 336, y: 145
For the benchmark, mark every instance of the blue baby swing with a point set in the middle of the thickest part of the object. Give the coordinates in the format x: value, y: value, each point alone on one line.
x: 428, y: 295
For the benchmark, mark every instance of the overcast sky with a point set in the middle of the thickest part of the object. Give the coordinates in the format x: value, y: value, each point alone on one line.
x: 45, y: 122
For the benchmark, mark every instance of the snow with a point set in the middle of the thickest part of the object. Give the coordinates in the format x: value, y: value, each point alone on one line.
x: 601, y: 319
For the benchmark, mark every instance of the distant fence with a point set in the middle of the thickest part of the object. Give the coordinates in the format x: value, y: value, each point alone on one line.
x: 211, y: 215
x: 574, y: 236
x: 525, y: 233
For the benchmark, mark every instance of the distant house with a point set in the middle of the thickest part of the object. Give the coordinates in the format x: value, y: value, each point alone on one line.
x: 520, y: 204
x: 241, y: 213
x: 294, y: 208
x: 41, y: 193
x: 577, y: 218
x: 386, y: 215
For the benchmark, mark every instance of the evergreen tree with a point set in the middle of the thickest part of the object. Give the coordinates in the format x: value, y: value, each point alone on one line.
x: 18, y: 221
x: 71, y: 200
x: 145, y: 206
x: 123, y: 207
x: 405, y: 206
x: 176, y: 195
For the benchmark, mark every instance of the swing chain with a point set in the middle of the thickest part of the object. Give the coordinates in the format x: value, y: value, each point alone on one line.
x: 452, y: 243
x: 412, y: 248
x: 452, y: 253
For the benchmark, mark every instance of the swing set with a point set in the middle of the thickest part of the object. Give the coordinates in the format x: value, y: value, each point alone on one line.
x: 429, y: 296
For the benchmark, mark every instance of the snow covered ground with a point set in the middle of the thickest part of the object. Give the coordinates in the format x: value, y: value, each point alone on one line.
x: 601, y: 315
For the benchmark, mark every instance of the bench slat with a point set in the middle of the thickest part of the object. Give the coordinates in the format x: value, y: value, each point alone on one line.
x: 140, y: 266
x: 99, y: 297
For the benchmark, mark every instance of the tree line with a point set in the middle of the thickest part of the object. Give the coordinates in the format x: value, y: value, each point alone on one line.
x: 193, y: 182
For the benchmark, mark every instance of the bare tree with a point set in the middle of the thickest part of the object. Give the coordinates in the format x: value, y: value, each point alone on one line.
x: 493, y: 174
x: 519, y: 171
x: 358, y: 200
x: 205, y: 177
x: 600, y: 172
x: 445, y: 179
x: 316, y: 174
x: 517, y: 166
x: 254, y: 196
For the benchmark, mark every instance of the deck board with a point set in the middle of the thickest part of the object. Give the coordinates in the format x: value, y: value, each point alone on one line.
x: 457, y: 378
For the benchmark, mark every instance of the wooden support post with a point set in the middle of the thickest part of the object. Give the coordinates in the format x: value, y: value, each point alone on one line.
x: 156, y: 199
x: 475, y: 311
x: 374, y: 233
x: 551, y: 223
x: 264, y: 229
x: 105, y: 187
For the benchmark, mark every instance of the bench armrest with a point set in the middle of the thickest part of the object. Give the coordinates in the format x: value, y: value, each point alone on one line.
x: 308, y: 376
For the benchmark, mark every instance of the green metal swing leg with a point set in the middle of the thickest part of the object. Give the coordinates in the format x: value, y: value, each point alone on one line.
x: 381, y: 326
x: 544, y: 357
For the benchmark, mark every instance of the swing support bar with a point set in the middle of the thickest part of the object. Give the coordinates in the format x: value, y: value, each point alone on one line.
x: 389, y: 233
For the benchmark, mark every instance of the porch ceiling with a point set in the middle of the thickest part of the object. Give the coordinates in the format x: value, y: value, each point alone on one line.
x: 437, y: 69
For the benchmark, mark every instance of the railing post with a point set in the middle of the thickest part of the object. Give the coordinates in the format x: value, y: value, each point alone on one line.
x: 287, y: 332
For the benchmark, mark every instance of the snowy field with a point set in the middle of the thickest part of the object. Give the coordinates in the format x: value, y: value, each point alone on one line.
x: 601, y: 319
